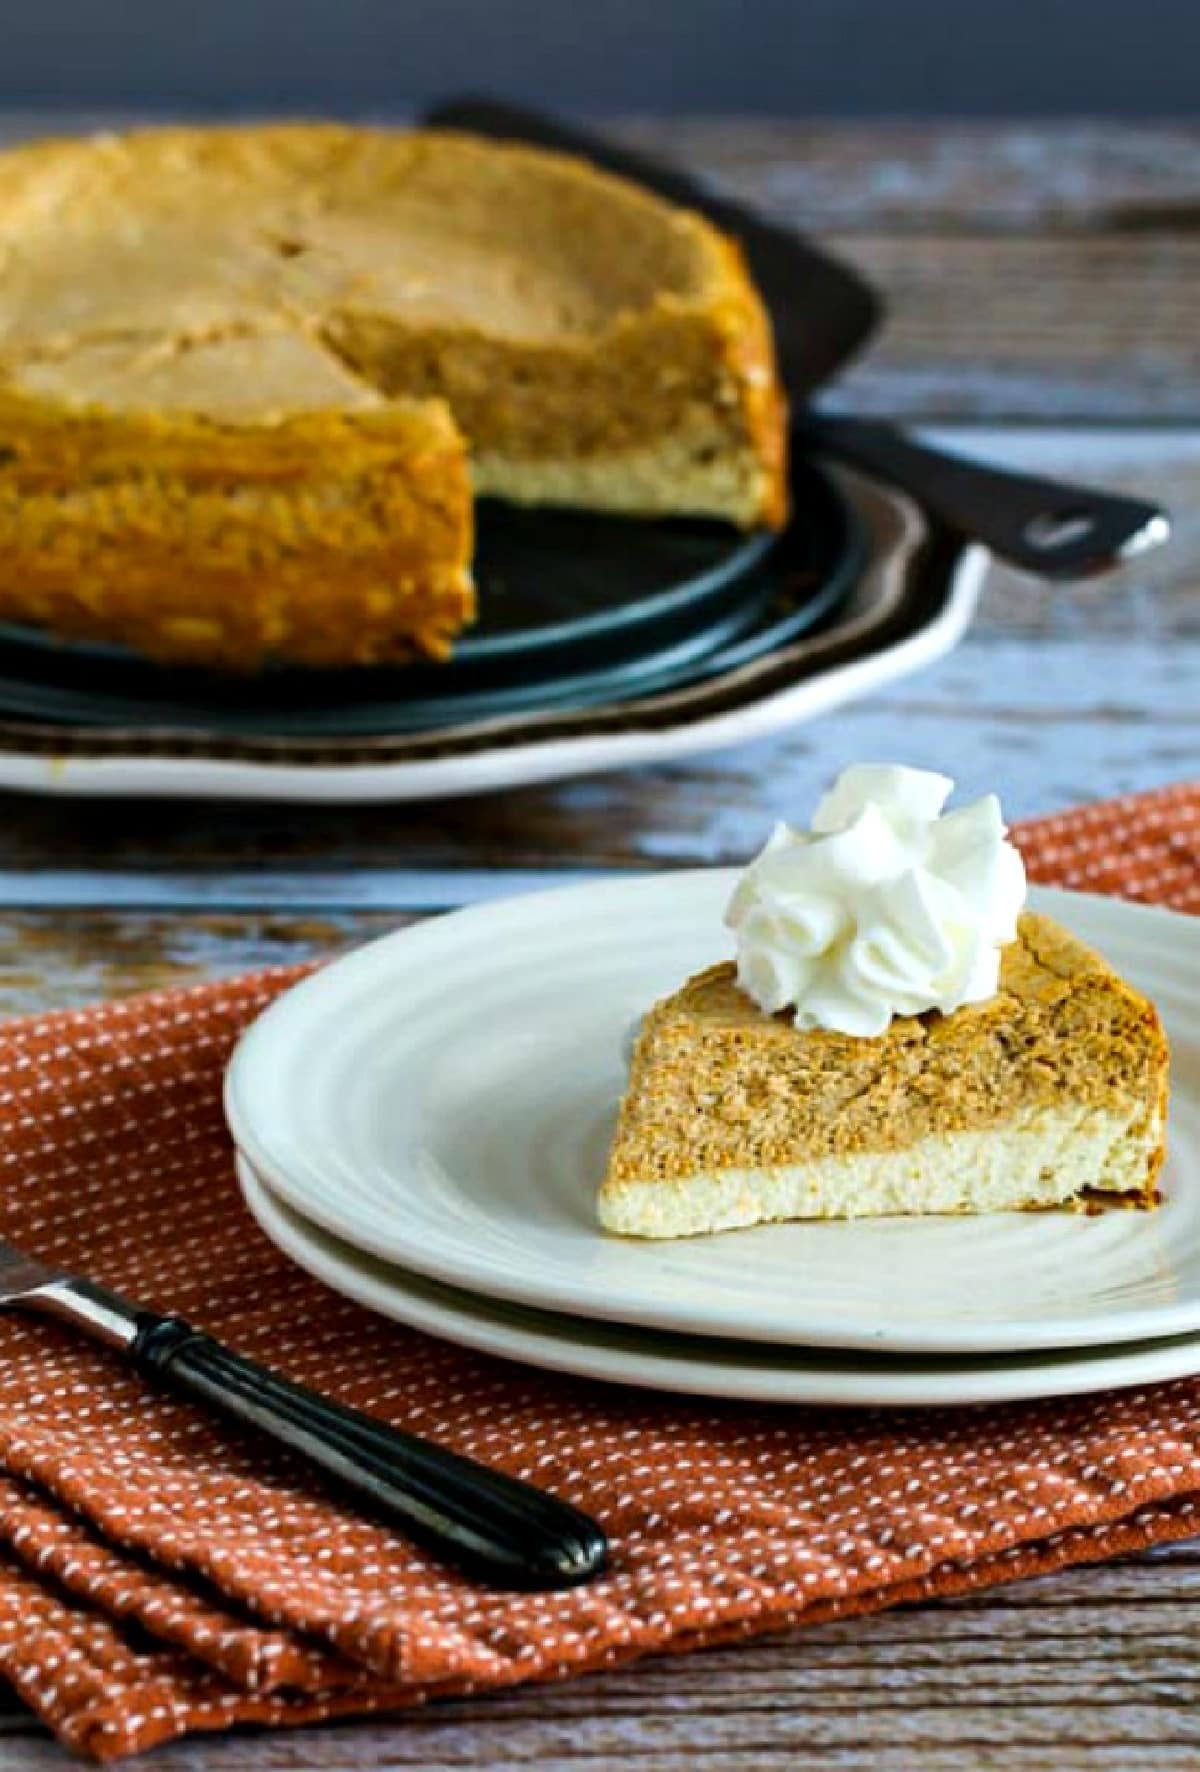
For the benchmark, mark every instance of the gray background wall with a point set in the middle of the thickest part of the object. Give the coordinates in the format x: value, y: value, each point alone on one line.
x: 788, y: 57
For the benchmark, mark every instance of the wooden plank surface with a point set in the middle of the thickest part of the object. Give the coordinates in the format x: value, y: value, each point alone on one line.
x: 1030, y: 273
x: 1043, y: 284
x: 945, y: 178
x: 1092, y: 1671
x: 66, y: 957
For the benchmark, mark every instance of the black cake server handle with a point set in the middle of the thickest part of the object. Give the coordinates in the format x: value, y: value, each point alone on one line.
x: 1040, y: 526
x: 492, y: 1526
x: 824, y: 312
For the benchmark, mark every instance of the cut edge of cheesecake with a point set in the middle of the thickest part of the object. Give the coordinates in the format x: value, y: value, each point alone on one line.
x: 1051, y: 1094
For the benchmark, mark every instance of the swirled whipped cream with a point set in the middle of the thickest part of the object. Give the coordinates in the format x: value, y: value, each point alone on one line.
x: 888, y: 906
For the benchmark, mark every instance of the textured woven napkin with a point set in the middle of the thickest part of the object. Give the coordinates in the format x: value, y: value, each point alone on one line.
x: 160, y: 1573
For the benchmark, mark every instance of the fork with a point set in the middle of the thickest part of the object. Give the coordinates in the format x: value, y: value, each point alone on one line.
x: 493, y: 1526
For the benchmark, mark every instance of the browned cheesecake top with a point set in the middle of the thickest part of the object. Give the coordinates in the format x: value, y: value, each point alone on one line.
x: 173, y: 239
x: 717, y: 1083
x: 562, y: 316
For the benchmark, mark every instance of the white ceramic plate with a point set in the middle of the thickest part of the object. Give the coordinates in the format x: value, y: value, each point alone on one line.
x: 443, y: 1098
x: 737, y: 1370
x: 902, y: 615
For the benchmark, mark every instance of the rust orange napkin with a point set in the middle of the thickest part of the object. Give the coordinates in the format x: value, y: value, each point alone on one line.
x: 160, y: 1573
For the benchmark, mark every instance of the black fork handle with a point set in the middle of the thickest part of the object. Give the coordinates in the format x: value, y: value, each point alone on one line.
x: 495, y: 1527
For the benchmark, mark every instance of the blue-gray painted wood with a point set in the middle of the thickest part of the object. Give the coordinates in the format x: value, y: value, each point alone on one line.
x: 257, y: 889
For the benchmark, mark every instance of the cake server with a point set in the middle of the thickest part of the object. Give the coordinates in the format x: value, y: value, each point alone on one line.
x: 823, y: 313
x: 493, y: 1526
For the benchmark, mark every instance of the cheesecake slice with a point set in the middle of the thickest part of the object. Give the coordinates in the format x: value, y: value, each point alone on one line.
x: 1051, y: 1092
x: 251, y: 379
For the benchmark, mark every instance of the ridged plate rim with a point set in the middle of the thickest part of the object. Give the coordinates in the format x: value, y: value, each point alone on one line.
x: 733, y: 1371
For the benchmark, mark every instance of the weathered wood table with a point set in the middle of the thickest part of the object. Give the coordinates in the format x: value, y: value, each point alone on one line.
x: 1045, y: 306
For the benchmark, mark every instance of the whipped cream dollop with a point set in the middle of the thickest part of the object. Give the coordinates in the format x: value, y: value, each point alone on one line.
x: 888, y: 906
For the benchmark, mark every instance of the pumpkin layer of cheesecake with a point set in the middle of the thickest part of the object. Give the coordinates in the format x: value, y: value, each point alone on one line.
x: 251, y: 377
x: 1051, y: 1092
x: 195, y: 535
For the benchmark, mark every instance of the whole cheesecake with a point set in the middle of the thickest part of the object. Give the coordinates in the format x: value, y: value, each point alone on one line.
x: 1051, y: 1092
x: 251, y: 378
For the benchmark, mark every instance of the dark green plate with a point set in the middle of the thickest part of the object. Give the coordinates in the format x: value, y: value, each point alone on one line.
x: 576, y: 609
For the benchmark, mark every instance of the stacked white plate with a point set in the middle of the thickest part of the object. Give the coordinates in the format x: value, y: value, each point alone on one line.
x: 423, y: 1126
